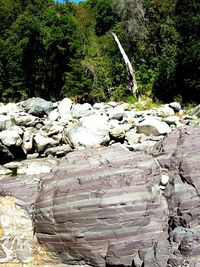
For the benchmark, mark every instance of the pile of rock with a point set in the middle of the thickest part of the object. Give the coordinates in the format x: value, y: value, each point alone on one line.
x: 38, y: 128
x: 101, y: 205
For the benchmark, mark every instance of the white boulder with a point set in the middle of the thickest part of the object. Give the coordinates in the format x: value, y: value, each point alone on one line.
x: 153, y: 127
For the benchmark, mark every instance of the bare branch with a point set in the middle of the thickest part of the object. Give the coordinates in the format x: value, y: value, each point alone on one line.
x: 128, y: 64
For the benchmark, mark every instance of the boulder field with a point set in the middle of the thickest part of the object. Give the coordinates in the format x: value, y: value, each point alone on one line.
x: 126, y: 192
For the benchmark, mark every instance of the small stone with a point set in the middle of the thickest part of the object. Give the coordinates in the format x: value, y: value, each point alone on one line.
x: 4, y: 171
x: 117, y: 133
x: 164, y: 179
x: 13, y: 166
x: 133, y: 138
x: 33, y: 156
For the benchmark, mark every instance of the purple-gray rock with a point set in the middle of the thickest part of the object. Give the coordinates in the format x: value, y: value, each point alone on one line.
x: 105, y: 207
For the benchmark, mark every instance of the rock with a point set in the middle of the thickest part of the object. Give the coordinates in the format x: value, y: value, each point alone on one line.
x: 99, y: 106
x: 34, y: 167
x: 172, y: 120
x: 54, y: 115
x: 5, y: 154
x: 26, y: 120
x: 164, y: 179
x: 43, y: 142
x: 65, y: 106
x: 9, y: 109
x: 4, y: 171
x: 6, y: 122
x: 28, y: 139
x: 112, y: 104
x: 153, y: 127
x: 11, y: 137
x: 144, y: 146
x: 80, y: 137
x: 117, y: 134
x: 105, y: 206
x: 19, y: 247
x: 175, y: 106
x: 58, y: 151
x: 12, y: 166
x: 116, y: 113
x: 165, y: 111
x: 195, y: 111
x: 113, y: 123
x: 130, y: 115
x: 33, y: 156
x: 82, y: 110
x: 133, y: 138
x: 95, y: 212
x: 37, y: 106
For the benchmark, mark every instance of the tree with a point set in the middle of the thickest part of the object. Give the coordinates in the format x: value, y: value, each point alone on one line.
x: 165, y: 86
x: 40, y: 45
x: 188, y: 69
x: 131, y: 72
x: 132, y: 15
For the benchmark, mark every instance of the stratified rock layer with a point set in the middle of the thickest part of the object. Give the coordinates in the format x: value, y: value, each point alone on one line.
x: 102, y: 206
x: 108, y: 206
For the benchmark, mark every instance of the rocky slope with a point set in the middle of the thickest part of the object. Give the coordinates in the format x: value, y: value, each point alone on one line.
x: 133, y: 203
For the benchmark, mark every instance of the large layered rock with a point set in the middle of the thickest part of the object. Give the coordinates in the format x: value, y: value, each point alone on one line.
x: 111, y: 207
x: 102, y: 199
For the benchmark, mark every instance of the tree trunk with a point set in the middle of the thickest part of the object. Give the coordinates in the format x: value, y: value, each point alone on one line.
x: 129, y: 66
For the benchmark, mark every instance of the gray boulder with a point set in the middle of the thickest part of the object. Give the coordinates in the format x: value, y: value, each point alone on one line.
x: 165, y: 111
x: 37, y: 106
x: 43, y: 142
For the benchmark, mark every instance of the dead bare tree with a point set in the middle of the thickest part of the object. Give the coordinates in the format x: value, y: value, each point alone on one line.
x: 129, y: 66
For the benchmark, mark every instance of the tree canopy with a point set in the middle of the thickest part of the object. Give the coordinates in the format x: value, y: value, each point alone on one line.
x: 53, y: 50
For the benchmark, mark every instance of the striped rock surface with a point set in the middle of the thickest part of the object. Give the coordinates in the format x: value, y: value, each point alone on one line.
x: 106, y: 207
x: 102, y: 206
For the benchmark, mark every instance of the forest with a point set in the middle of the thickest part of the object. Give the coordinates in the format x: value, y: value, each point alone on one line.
x: 54, y: 50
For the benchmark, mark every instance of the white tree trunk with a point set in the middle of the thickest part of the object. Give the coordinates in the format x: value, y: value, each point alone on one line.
x: 128, y: 65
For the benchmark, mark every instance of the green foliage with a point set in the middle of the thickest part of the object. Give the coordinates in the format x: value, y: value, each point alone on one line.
x: 78, y: 80
x: 146, y: 78
x: 165, y: 85
x: 188, y: 69
x: 54, y: 50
